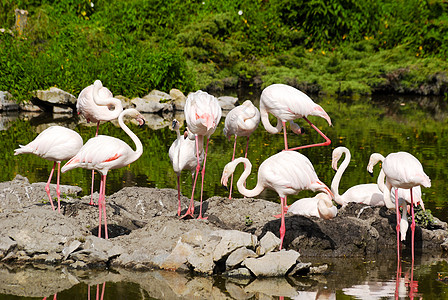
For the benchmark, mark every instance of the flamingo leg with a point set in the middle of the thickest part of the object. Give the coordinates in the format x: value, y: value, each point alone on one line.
x: 93, y: 171
x: 233, y: 158
x: 284, y: 136
x: 285, y: 208
x: 58, y: 191
x: 88, y: 292
x: 97, y: 292
x: 412, y: 226
x: 202, y: 181
x: 100, y: 204
x: 326, y: 143
x: 282, y: 225
x: 47, y: 186
x: 102, y: 291
x: 190, y: 210
x: 103, y: 192
x: 178, y: 195
x: 397, y: 209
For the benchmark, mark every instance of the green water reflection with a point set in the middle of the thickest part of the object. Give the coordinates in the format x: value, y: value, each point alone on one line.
x: 365, y: 126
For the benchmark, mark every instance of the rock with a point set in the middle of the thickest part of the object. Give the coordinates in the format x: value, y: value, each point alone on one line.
x: 237, y: 292
x: 300, y: 269
x: 56, y: 96
x: 268, y: 243
x: 237, y: 256
x: 30, y: 107
x: 177, y: 257
x: 231, y: 240
x: 179, y: 99
x: 7, y: 103
x: 154, y: 102
x: 240, y: 272
x: 272, y: 264
x: 6, y: 245
x: 227, y: 102
x: 319, y: 269
x: 62, y: 110
x: 70, y: 248
x: 279, y: 287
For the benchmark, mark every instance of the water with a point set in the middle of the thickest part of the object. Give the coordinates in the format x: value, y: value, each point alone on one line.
x: 364, y: 126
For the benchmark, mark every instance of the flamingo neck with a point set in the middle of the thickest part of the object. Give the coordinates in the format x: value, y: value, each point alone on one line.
x: 337, y: 178
x: 326, y: 208
x: 100, y: 101
x: 265, y: 120
x: 387, y: 196
x: 138, y: 144
x: 240, y: 183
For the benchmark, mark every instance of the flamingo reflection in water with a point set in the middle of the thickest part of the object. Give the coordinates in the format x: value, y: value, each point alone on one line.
x: 98, y: 295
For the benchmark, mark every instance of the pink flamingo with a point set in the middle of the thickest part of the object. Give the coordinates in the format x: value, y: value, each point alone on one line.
x: 182, y: 154
x: 320, y: 206
x: 202, y: 113
x: 55, y: 144
x: 403, y: 171
x: 95, y: 103
x: 103, y: 153
x: 287, y: 104
x: 287, y: 173
x: 243, y: 120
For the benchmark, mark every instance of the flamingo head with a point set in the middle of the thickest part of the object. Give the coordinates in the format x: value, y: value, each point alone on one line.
x: 175, y: 125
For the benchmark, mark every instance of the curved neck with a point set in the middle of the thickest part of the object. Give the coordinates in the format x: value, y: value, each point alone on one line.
x: 326, y: 208
x: 240, y: 183
x: 108, y: 101
x: 265, y: 120
x: 387, y: 196
x: 138, y: 144
x: 337, y: 177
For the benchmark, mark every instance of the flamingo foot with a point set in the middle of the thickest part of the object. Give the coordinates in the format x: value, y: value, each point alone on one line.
x: 188, y: 214
x: 202, y: 218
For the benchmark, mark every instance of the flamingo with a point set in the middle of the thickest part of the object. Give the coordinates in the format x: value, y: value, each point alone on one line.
x: 319, y: 206
x: 405, y: 172
x: 287, y: 104
x: 243, y: 120
x: 367, y: 193
x: 202, y: 113
x: 182, y: 154
x: 95, y: 103
x: 287, y: 173
x: 56, y: 143
x: 103, y: 153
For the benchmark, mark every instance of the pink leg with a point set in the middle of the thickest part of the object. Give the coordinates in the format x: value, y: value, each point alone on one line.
x: 284, y: 136
x: 104, y: 205
x: 58, y: 191
x: 412, y: 226
x: 190, y: 210
x: 202, y: 182
x: 97, y: 289
x: 397, y: 209
x: 282, y: 225
x: 233, y: 158
x: 285, y: 208
x: 326, y: 143
x: 88, y: 292
x: 102, y: 291
x: 47, y: 186
x: 178, y: 195
x: 100, y: 208
x: 93, y: 171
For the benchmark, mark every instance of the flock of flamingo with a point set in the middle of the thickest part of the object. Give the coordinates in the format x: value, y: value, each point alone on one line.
x: 287, y: 172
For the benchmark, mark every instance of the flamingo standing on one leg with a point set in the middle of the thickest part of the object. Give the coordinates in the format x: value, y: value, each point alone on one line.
x: 56, y: 143
x: 202, y: 113
x: 287, y: 173
x: 287, y: 104
x: 403, y: 171
x: 243, y: 120
x: 95, y: 103
x: 103, y: 153
x: 182, y: 154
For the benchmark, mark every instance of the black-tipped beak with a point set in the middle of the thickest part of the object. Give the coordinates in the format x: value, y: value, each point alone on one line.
x: 141, y: 123
x: 371, y: 174
x: 302, y: 130
x: 225, y: 186
x: 173, y: 124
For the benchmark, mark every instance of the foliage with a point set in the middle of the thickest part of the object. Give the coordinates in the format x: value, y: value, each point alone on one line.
x: 423, y: 218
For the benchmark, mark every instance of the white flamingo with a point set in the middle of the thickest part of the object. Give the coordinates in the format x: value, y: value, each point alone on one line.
x: 182, y: 154
x: 242, y: 120
x: 56, y: 143
x: 287, y: 173
x: 103, y: 153
x: 287, y: 103
x: 320, y: 206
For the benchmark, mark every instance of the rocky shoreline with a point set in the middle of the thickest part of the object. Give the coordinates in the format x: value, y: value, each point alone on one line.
x: 240, y: 237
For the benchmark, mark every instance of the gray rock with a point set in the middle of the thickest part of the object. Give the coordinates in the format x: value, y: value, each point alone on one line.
x: 268, y: 243
x: 56, y: 96
x: 227, y: 102
x: 179, y: 99
x: 319, y: 269
x: 231, y: 240
x: 177, y: 257
x: 300, y: 268
x: 240, y: 272
x: 70, y: 248
x: 237, y: 256
x: 6, y: 245
x: 7, y: 103
x: 154, y: 102
x: 273, y: 264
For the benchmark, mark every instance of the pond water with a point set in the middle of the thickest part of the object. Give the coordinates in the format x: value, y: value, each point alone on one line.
x: 364, y: 126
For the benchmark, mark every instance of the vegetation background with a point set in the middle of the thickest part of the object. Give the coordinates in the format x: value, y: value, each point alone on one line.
x: 344, y: 47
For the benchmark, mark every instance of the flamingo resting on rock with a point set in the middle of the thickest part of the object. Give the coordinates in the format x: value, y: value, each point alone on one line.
x: 287, y: 173
x: 56, y: 143
x: 103, y: 153
x: 287, y: 103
